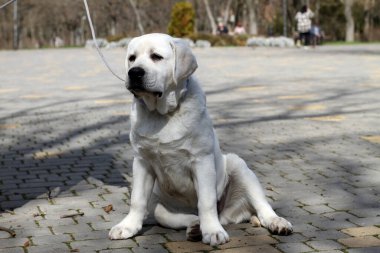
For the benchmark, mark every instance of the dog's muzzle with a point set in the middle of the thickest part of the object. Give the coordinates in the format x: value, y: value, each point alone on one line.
x: 136, y: 82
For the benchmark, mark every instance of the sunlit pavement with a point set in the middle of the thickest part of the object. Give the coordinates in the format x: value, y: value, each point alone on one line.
x: 306, y: 121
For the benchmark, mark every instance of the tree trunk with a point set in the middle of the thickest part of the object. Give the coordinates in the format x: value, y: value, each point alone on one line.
x: 210, y: 17
x: 350, y: 25
x: 317, y: 7
x: 368, y: 5
x: 113, y: 27
x: 138, y: 18
x: 227, y: 11
x: 252, y: 5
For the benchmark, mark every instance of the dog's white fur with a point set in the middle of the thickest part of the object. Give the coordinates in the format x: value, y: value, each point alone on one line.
x: 177, y: 152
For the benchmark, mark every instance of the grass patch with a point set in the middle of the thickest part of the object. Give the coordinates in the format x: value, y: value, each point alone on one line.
x: 354, y: 43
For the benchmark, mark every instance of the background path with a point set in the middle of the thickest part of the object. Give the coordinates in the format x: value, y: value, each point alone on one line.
x: 306, y: 121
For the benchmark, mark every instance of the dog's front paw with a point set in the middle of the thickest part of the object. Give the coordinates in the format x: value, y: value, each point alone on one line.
x: 121, y: 231
x: 280, y: 226
x: 214, y: 236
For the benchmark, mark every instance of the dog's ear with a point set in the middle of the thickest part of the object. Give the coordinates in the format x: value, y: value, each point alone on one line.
x: 184, y: 60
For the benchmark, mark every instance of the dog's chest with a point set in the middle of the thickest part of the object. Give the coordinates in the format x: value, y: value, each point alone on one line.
x: 168, y: 147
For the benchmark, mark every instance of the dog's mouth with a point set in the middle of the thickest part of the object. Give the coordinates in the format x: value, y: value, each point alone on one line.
x: 139, y: 92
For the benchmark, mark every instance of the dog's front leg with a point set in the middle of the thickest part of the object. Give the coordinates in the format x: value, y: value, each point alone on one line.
x: 205, y: 183
x: 143, y: 181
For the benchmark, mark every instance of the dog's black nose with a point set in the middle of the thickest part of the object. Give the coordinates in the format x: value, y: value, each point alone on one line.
x: 136, y: 73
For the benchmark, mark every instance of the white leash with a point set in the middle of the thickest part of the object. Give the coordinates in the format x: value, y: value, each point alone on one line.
x: 7, y: 3
x: 96, y: 44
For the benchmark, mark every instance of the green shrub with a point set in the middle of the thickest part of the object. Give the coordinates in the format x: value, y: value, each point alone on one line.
x: 221, y: 40
x: 182, y: 20
x: 116, y: 37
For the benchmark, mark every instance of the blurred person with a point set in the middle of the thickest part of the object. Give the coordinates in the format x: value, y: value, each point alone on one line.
x: 316, y: 35
x: 303, y: 18
x: 222, y: 29
x: 239, y: 29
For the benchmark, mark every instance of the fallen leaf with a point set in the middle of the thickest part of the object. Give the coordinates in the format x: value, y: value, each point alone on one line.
x: 27, y: 244
x: 108, y: 208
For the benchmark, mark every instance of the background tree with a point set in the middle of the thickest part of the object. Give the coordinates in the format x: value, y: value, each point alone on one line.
x: 42, y: 21
x: 138, y: 18
x: 350, y: 24
x: 182, y: 20
x: 252, y: 16
x: 210, y: 17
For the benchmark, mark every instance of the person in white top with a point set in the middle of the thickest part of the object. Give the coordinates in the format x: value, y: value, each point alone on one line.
x: 239, y: 29
x: 303, y: 18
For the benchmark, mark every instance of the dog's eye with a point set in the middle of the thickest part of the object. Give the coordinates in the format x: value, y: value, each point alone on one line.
x: 156, y: 57
x: 132, y: 58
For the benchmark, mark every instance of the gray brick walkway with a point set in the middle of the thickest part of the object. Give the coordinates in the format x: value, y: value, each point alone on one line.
x: 306, y: 121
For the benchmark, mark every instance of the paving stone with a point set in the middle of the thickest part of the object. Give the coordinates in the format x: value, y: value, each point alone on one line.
x: 293, y: 247
x: 4, y: 235
x: 257, y: 231
x: 249, y: 249
x: 124, y: 250
x: 318, y: 209
x: 365, y: 212
x: 186, y: 246
x: 69, y: 229
x: 360, y: 242
x: 362, y: 231
x: 149, y: 230
x: 13, y: 242
x: 295, y: 237
x: 243, y: 241
x: 327, y: 225
x: 149, y: 248
x: 364, y: 250
x: 59, y: 247
x: 12, y: 250
x: 102, y: 234
x: 365, y: 222
x: 340, y: 216
x: 236, y: 233
x: 50, y: 239
x: 149, y: 239
x: 324, y: 245
x: 101, y: 244
x: 57, y: 222
x: 176, y: 237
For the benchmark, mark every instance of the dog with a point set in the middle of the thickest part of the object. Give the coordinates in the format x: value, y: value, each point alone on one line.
x: 179, y: 172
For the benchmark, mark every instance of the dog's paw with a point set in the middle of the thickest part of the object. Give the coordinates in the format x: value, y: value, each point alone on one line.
x: 193, y: 232
x: 121, y: 231
x: 214, y: 236
x: 280, y: 226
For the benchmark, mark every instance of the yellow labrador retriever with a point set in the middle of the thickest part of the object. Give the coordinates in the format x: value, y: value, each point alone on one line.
x: 178, y: 164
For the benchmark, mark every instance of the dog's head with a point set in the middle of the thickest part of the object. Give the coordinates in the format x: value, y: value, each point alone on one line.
x: 156, y: 65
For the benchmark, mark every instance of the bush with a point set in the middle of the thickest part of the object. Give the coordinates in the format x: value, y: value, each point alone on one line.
x: 117, y: 37
x: 182, y: 20
x: 221, y: 40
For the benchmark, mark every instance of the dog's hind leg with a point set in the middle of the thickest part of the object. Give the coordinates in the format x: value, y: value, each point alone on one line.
x: 178, y: 220
x: 248, y: 186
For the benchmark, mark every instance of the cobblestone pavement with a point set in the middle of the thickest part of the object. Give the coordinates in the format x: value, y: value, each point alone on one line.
x: 306, y: 121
